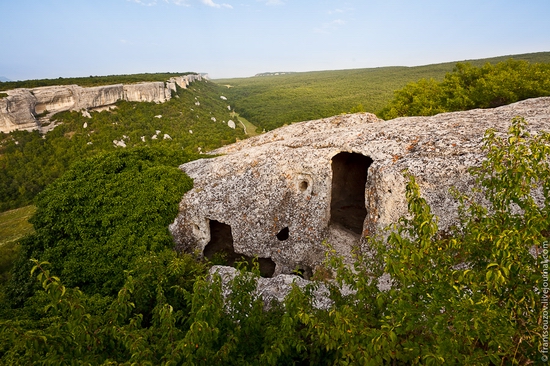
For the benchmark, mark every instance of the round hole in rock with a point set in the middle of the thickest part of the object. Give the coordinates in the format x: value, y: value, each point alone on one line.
x: 283, y: 234
x: 304, y: 271
x: 303, y: 185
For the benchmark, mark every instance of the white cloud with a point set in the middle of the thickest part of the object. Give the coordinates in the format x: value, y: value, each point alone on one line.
x: 179, y: 2
x: 145, y: 3
x: 272, y: 2
x: 329, y: 27
x: 215, y: 5
x: 154, y: 2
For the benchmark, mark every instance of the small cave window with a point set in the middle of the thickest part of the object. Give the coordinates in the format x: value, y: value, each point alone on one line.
x: 283, y: 234
x: 349, y: 177
x: 303, y: 185
x: 305, y: 272
x: 220, y: 250
x: 267, y: 267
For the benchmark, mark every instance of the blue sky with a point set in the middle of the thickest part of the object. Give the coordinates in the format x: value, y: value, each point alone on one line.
x: 236, y: 38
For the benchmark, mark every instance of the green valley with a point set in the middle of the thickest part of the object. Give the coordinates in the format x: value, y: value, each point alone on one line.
x: 272, y: 101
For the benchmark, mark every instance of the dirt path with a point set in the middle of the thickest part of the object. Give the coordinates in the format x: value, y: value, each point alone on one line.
x: 249, y: 128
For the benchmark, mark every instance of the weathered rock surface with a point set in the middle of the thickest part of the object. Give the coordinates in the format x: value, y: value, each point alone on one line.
x: 274, y: 289
x: 19, y: 110
x: 277, y: 196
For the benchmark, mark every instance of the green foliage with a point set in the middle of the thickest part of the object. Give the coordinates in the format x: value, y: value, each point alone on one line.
x: 76, y: 328
x: 469, y: 297
x: 30, y: 161
x: 469, y: 87
x: 273, y: 101
x: 101, y: 215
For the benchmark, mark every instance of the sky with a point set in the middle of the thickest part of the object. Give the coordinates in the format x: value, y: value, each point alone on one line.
x: 240, y: 38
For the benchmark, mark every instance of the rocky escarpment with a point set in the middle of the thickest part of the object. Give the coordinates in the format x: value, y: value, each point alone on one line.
x: 279, y: 195
x: 21, y: 108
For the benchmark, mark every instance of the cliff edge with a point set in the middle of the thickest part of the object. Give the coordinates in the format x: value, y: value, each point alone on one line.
x: 22, y: 107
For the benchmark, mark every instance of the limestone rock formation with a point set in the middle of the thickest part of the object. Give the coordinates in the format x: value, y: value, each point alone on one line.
x: 279, y: 195
x: 20, y: 109
x: 17, y: 111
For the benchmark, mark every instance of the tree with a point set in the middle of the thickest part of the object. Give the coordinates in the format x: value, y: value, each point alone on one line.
x: 469, y: 87
x: 101, y: 215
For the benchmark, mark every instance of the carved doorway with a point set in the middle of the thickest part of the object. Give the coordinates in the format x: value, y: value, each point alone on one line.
x: 349, y: 177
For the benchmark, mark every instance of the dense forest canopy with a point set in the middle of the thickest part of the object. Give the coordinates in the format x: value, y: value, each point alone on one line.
x: 273, y: 101
x: 29, y: 161
x: 104, y: 212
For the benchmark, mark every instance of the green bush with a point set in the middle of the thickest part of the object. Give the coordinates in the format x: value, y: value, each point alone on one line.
x: 471, y: 297
x: 101, y: 215
x: 469, y: 87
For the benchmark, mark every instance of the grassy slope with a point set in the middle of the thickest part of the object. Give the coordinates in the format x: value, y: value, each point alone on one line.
x: 250, y: 129
x: 271, y: 101
x: 28, y: 162
x: 14, y: 225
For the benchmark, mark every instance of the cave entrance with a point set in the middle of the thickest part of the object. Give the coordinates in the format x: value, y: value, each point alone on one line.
x: 220, y: 245
x: 349, y: 177
x: 220, y: 250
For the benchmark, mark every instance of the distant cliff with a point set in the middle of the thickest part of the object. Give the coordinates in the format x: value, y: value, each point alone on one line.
x: 21, y: 108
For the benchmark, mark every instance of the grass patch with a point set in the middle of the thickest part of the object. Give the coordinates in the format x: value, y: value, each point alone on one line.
x: 251, y: 130
x: 14, y: 225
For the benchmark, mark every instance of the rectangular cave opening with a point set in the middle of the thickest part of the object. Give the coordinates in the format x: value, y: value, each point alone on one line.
x: 220, y: 250
x: 349, y: 178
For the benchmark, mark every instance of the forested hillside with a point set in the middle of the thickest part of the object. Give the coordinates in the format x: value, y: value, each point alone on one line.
x: 194, y: 120
x: 272, y: 101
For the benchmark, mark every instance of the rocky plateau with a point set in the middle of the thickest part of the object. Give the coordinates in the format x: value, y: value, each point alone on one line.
x: 22, y: 108
x: 278, y: 196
